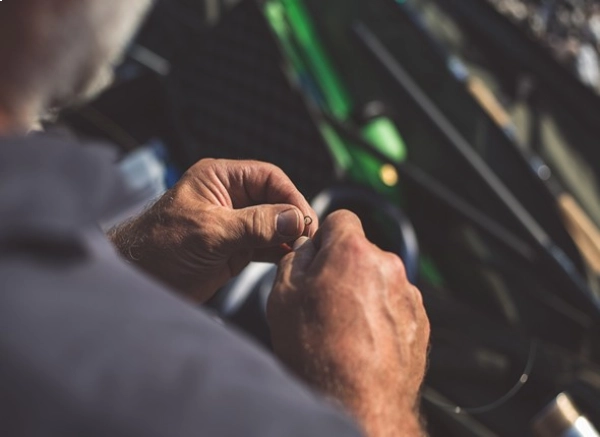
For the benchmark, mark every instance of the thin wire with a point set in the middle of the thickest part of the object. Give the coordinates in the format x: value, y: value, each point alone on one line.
x: 440, y: 192
x: 504, y: 398
x: 534, y: 343
x: 550, y: 252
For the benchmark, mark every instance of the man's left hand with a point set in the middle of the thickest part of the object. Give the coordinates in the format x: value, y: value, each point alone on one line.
x: 218, y: 218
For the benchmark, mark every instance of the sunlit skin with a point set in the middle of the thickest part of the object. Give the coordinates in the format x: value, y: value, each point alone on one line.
x: 343, y: 315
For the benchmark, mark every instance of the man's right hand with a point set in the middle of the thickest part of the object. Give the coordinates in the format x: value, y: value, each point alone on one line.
x: 344, y: 317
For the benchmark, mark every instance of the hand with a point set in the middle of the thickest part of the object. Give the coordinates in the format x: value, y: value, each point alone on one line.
x: 218, y: 218
x: 344, y: 317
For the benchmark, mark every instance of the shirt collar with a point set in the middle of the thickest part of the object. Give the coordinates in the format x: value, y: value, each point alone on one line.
x: 50, y: 184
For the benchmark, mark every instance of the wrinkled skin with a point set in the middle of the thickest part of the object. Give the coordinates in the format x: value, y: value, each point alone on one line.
x: 218, y: 218
x: 342, y: 314
x: 344, y: 317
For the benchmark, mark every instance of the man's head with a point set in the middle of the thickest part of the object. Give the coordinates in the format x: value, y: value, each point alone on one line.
x: 57, y: 52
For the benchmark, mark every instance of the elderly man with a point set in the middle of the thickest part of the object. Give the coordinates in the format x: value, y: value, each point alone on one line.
x: 96, y: 344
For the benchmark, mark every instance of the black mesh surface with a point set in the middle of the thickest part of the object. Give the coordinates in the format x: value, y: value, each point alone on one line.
x: 233, y: 100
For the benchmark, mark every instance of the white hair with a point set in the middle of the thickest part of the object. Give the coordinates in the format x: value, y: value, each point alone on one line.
x: 67, y: 52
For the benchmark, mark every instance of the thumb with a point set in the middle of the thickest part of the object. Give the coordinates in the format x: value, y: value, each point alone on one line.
x: 304, y: 254
x: 264, y: 226
x: 294, y: 267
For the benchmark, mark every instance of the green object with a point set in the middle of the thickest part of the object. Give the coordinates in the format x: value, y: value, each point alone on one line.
x: 313, y: 69
x: 382, y: 132
x: 275, y: 13
x: 310, y: 64
x: 428, y: 270
x: 292, y: 23
x: 337, y: 147
x: 331, y: 86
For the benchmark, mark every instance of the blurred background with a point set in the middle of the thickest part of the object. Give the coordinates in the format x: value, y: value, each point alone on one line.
x: 465, y: 134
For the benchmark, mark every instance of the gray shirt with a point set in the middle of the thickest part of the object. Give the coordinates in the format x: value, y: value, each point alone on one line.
x: 91, y: 347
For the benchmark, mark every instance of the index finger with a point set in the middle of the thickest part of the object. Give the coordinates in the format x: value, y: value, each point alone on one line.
x: 295, y: 265
x: 254, y: 183
x: 335, y: 225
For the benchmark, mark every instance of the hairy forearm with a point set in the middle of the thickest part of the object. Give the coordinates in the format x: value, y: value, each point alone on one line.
x: 125, y: 239
x: 141, y: 243
x: 380, y: 409
x: 383, y: 414
x: 135, y: 237
x: 401, y: 424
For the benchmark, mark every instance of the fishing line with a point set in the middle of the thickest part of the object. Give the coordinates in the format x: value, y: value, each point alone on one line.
x: 510, y: 394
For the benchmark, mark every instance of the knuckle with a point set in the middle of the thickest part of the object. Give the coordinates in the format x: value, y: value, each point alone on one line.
x: 199, y: 168
x: 353, y: 245
x: 396, y: 265
x: 255, y: 227
x: 342, y: 216
x: 343, y: 221
x: 426, y: 328
x: 203, y: 163
x: 279, y: 178
x: 274, y: 169
x: 286, y: 262
x: 267, y: 167
x: 418, y: 299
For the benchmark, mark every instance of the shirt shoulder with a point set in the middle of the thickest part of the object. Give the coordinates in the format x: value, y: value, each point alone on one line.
x: 92, y: 347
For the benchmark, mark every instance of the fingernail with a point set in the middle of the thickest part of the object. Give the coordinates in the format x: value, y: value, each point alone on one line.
x: 300, y: 242
x: 288, y: 223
